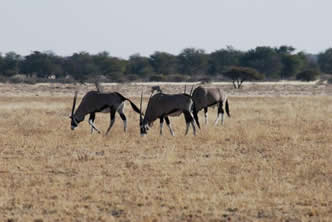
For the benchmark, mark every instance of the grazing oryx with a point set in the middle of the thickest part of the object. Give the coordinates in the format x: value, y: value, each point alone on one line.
x: 206, y: 97
x: 95, y: 101
x: 163, y: 105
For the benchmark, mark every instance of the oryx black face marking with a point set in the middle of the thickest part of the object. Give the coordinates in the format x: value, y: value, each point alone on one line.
x: 73, y: 123
x: 95, y: 101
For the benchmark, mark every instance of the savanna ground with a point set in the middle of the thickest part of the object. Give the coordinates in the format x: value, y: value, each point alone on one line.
x: 270, y: 162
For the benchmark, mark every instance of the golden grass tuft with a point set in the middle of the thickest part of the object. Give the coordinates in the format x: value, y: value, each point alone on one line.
x: 271, y: 161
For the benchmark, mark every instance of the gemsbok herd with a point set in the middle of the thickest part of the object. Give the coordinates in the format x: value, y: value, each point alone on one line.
x: 160, y: 106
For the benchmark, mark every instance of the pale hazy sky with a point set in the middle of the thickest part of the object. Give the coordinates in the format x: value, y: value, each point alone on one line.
x: 125, y: 27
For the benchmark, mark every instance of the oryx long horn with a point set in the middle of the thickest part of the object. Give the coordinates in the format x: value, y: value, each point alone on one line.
x: 140, y: 108
x: 74, y: 104
x: 191, y: 91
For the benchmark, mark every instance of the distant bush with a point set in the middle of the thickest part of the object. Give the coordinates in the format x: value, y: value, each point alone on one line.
x: 307, y: 75
x: 65, y: 80
x: 201, y: 78
x: 33, y: 80
x: 20, y: 79
x: 116, y: 77
x: 17, y: 78
x: 29, y: 80
x: 132, y: 77
x: 177, y: 78
x: 157, y: 78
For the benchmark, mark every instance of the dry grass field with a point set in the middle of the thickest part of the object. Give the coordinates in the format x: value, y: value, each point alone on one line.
x: 272, y: 161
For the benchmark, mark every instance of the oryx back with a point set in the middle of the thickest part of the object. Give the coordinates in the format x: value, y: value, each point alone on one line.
x: 94, y: 101
x: 167, y: 105
x: 204, y: 97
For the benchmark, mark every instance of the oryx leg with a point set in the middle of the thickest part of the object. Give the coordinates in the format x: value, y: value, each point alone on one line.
x: 112, y: 113
x: 169, y: 125
x: 220, y: 114
x: 161, y: 125
x: 192, y: 122
x: 189, y: 120
x: 206, y: 115
x: 123, y: 117
x: 91, y: 122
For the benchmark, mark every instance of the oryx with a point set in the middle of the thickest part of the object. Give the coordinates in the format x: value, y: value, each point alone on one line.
x: 207, y: 97
x: 94, y: 102
x: 163, y: 105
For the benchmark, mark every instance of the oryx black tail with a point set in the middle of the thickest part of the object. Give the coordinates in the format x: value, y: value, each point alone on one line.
x: 227, y: 108
x: 135, y: 108
x: 195, y: 115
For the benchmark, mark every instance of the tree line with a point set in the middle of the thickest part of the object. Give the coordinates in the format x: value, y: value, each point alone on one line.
x: 190, y: 64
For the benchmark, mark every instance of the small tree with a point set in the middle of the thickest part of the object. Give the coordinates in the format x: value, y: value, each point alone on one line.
x: 10, y: 64
x: 307, y: 75
x: 241, y: 74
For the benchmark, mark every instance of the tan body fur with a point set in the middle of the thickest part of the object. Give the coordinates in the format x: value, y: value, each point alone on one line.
x: 210, y: 97
x: 161, y: 105
x: 95, y: 101
x: 166, y: 105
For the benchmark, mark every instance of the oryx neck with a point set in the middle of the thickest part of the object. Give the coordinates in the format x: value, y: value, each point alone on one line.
x: 79, y: 115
